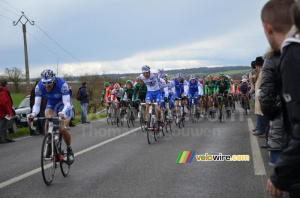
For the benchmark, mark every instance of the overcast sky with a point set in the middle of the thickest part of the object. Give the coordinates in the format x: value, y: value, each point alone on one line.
x: 118, y: 36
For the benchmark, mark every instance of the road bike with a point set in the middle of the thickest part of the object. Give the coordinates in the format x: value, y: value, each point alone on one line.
x: 58, y: 154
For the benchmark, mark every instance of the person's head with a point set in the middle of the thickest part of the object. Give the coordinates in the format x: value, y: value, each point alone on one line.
x: 295, y: 13
x: 222, y: 77
x: 128, y: 84
x: 106, y: 84
x: 179, y: 77
x: 193, y: 78
x: 244, y: 81
x: 48, y: 79
x: 146, y: 71
x: 210, y: 78
x: 142, y: 82
x: 253, y: 65
x: 4, y: 83
x: 84, y: 84
x: 164, y: 76
x: 201, y: 81
x: 259, y: 62
x: 277, y: 21
x: 111, y: 85
x: 117, y: 86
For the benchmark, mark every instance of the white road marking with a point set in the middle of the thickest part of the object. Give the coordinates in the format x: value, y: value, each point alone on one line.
x: 37, y: 170
x: 258, y: 163
x: 23, y: 138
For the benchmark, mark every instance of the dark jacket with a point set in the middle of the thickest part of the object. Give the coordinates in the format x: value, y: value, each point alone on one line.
x: 270, y: 100
x: 287, y: 169
x: 84, y: 95
x: 5, y: 103
x: 32, y: 98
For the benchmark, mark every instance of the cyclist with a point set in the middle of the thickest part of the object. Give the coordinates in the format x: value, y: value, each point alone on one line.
x: 181, y: 91
x: 244, y: 90
x: 209, y: 91
x: 108, y: 96
x: 231, y: 93
x: 196, y: 91
x: 152, y: 81
x: 116, y: 95
x: 104, y: 91
x: 139, y: 94
x: 56, y: 91
x: 222, y: 87
x: 164, y: 88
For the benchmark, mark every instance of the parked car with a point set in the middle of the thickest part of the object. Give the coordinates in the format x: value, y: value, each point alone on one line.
x: 24, y: 109
x: 12, y: 124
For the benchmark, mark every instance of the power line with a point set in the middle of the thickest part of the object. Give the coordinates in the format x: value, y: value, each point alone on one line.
x: 57, y: 43
x: 11, y: 6
x: 10, y: 11
x: 6, y: 17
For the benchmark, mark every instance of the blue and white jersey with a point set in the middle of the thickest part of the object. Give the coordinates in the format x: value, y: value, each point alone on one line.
x: 58, y: 98
x: 61, y: 88
x: 171, y: 87
x: 153, y: 81
x: 195, y: 87
x: 181, y: 87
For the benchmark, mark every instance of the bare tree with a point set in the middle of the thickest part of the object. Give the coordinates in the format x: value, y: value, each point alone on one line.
x: 68, y: 77
x: 15, y: 76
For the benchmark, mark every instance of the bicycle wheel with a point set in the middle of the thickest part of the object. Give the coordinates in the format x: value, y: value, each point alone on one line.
x: 183, y: 121
x: 150, y: 134
x: 128, y: 115
x: 113, y: 116
x: 132, y: 119
x: 220, y: 118
x: 47, y: 164
x: 64, y: 167
x: 142, y: 123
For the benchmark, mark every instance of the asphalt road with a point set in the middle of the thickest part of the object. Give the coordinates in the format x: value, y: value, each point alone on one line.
x: 126, y: 166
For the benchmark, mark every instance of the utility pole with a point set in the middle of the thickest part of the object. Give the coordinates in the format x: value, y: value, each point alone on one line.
x: 25, y: 47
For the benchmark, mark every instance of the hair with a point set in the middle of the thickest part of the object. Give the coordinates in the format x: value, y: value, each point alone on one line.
x: 277, y: 14
x: 3, y: 83
x: 295, y: 14
x: 84, y: 83
x: 253, y: 64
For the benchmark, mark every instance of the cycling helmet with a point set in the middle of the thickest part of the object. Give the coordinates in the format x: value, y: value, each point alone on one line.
x: 164, y: 76
x: 193, y: 77
x: 244, y: 76
x: 111, y: 83
x: 145, y: 68
x: 221, y: 75
x: 179, y: 75
x: 141, y: 80
x: 244, y: 80
x: 201, y: 81
x: 210, y: 76
x: 47, y: 75
x: 106, y: 84
x: 117, y: 86
x: 128, y: 82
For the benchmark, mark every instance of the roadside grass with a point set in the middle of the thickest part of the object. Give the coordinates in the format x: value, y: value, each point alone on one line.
x: 17, y: 99
x: 22, y: 131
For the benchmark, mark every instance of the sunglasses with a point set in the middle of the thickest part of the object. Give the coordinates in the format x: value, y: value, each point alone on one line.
x: 48, y: 83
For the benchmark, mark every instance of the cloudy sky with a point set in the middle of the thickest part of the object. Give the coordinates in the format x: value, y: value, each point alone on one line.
x: 117, y: 36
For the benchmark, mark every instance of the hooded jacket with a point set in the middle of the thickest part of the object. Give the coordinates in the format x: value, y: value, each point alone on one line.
x: 287, y: 169
x: 5, y: 103
x: 270, y: 100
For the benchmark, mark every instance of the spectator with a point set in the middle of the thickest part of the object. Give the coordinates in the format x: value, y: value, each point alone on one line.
x: 40, y: 124
x: 70, y: 91
x: 5, y: 109
x: 277, y: 22
x: 84, y: 102
x: 271, y: 107
x: 257, y: 111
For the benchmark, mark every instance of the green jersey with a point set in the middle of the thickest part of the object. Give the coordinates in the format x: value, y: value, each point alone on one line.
x: 141, y: 89
x: 221, y: 87
x: 129, y: 93
x: 209, y: 87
